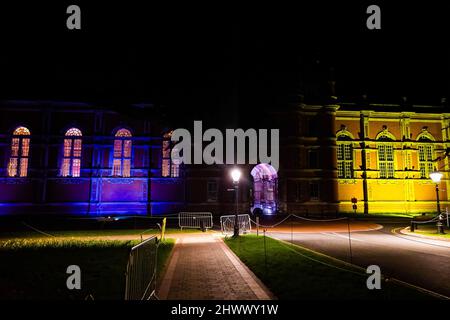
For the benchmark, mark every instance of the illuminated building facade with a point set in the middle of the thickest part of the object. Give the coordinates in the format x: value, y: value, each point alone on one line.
x: 77, y: 158
x: 379, y: 154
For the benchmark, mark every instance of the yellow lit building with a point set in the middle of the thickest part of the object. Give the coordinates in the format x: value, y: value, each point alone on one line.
x: 379, y: 154
x: 384, y: 157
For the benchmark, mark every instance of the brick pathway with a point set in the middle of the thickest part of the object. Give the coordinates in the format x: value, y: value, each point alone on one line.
x: 203, y: 267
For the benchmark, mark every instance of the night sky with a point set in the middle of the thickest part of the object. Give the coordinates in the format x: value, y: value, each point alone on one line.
x: 220, y: 60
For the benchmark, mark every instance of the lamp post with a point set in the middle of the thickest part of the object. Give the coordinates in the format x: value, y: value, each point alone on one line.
x: 236, y: 175
x: 436, y: 176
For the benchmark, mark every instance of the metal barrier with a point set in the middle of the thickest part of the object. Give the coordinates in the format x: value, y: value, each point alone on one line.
x: 140, y: 278
x: 227, y: 223
x: 195, y: 220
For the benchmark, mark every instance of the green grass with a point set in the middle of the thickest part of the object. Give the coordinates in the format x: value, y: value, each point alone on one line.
x: 36, y: 268
x: 89, y: 233
x: 432, y: 232
x: 291, y: 273
x: 387, y: 215
x: 164, y: 250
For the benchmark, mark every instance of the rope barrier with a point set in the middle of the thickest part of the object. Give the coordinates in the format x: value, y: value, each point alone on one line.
x: 321, y: 262
x: 260, y: 225
x: 298, y: 217
x: 320, y: 220
x: 37, y: 230
x: 423, y: 222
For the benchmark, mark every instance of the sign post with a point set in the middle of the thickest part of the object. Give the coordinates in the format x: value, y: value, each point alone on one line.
x: 354, y: 206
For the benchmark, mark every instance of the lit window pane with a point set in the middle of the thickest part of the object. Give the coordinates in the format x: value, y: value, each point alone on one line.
x: 73, y: 132
x: 166, y: 149
x: 21, y: 131
x: 12, y: 167
x: 65, y: 170
x: 169, y: 168
x: 340, y: 169
x: 122, y: 154
x: 25, y: 147
x: 421, y: 153
x: 117, y: 167
x: 71, y: 165
x: 67, y: 147
x: 23, y: 167
x: 117, y: 148
x: 348, y: 169
x: 425, y: 160
x: 76, y: 166
x: 123, y: 133
x: 339, y: 152
x: 20, y: 149
x: 77, y: 148
x: 165, y: 167
x: 15, y: 147
x: 175, y: 170
x: 126, y: 167
x: 127, y: 148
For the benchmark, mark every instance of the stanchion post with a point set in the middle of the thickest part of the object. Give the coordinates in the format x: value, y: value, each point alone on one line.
x: 349, y: 240
x: 446, y: 213
x: 257, y: 226
x: 265, y: 251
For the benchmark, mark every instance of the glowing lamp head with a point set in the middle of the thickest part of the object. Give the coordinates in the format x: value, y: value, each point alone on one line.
x: 436, y: 176
x: 235, y: 175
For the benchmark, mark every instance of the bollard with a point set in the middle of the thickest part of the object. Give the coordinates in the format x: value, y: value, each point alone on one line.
x: 412, y: 226
x: 440, y: 227
x: 202, y: 226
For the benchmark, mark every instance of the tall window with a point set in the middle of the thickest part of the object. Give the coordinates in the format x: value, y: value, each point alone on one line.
x: 345, y: 160
x: 122, y: 153
x: 386, y: 160
x: 313, y: 159
x: 425, y: 159
x: 71, y: 164
x: 169, y: 167
x: 212, y: 191
x: 314, y: 191
x: 20, y: 150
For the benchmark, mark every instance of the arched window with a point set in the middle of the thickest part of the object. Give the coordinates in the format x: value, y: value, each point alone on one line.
x: 71, y: 164
x: 386, y: 155
x: 344, y: 156
x: 169, y: 168
x: 425, y: 157
x: 122, y: 153
x: 20, y: 150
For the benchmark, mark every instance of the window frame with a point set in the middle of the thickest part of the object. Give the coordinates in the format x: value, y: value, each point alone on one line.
x: 215, y: 198
x: 20, y: 157
x: 169, y: 169
x: 344, y: 155
x: 122, y: 139
x: 72, y: 158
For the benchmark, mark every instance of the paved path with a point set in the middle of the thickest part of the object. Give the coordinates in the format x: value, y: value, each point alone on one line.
x: 202, y: 267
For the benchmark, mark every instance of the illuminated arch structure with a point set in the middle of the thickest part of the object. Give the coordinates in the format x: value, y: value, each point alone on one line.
x: 265, y: 189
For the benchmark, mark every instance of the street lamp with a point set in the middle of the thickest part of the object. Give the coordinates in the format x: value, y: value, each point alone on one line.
x: 236, y: 175
x: 436, y: 176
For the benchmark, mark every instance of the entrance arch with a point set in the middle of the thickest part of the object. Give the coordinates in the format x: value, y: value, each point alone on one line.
x: 265, y: 188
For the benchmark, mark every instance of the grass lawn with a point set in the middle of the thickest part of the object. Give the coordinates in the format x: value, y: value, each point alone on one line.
x: 293, y: 273
x: 389, y: 215
x: 89, y: 233
x: 431, y: 232
x: 36, y: 268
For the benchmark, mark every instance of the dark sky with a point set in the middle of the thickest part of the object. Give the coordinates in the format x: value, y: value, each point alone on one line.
x: 214, y: 59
